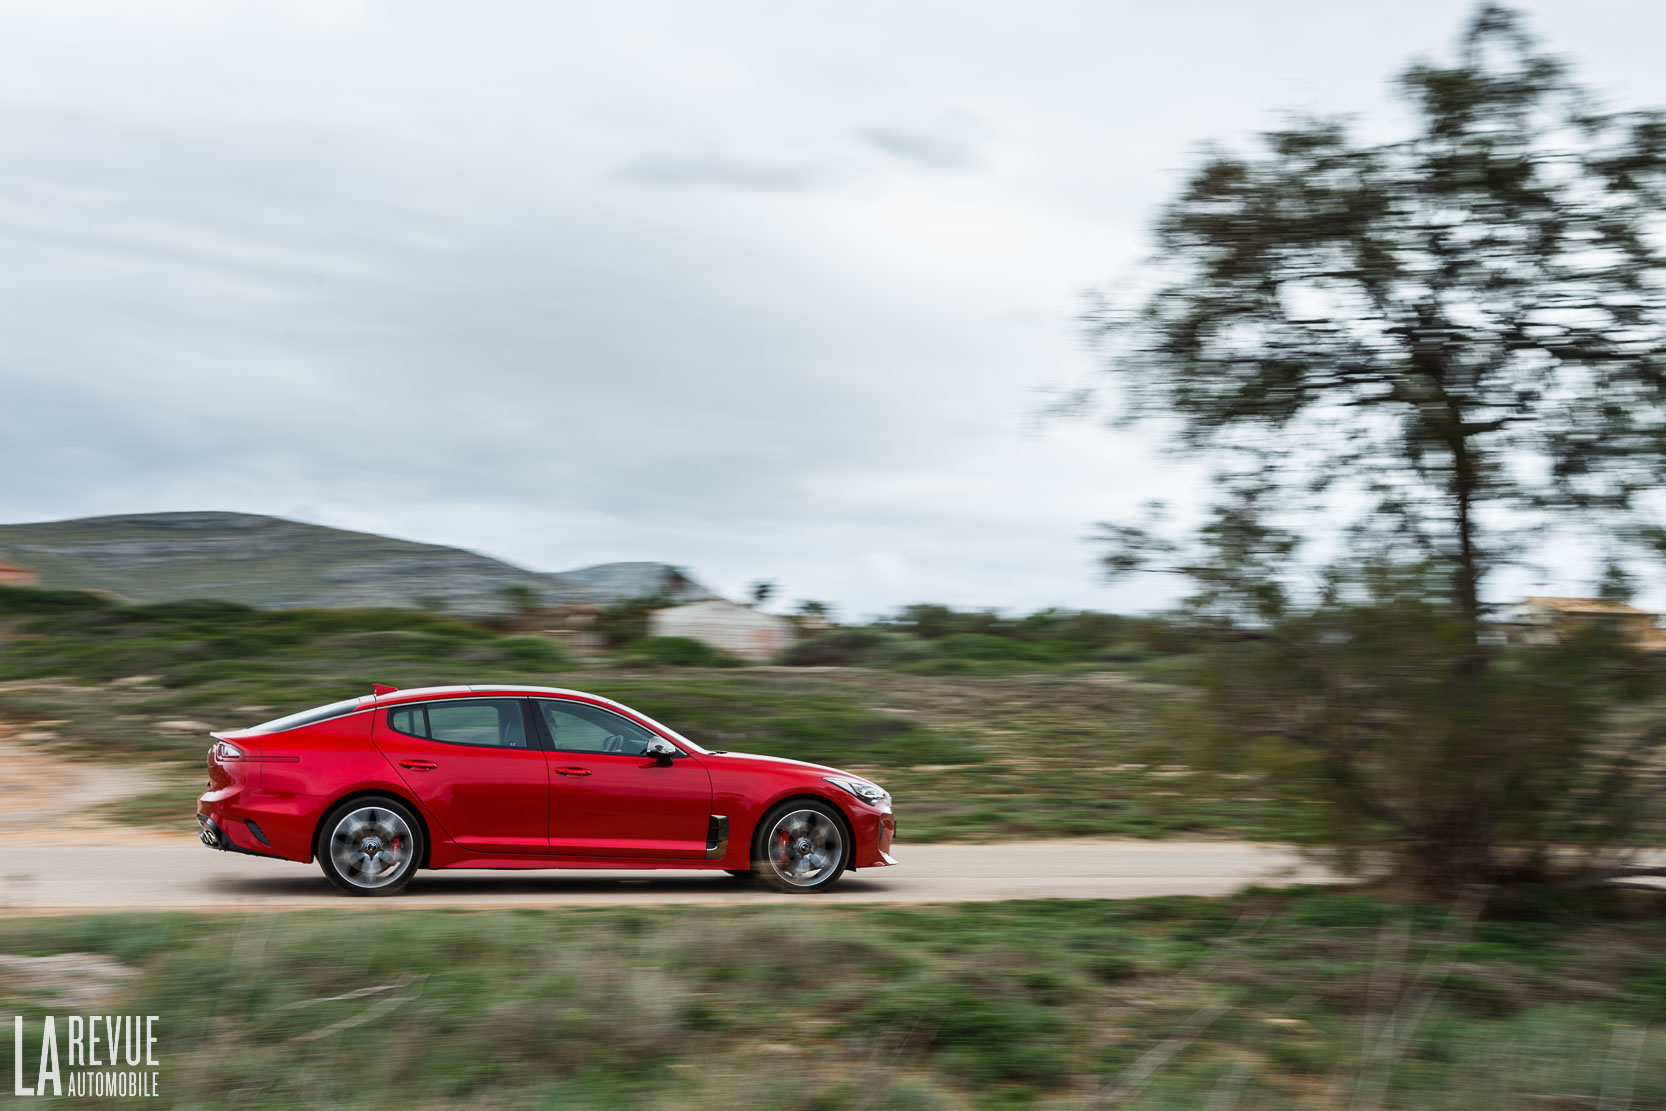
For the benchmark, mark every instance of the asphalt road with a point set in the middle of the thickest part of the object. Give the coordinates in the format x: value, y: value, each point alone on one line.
x: 168, y: 877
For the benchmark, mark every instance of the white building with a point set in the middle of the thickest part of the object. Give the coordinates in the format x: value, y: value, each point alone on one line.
x: 738, y: 630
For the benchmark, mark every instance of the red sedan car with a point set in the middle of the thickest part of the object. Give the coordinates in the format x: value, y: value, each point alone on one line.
x: 526, y: 777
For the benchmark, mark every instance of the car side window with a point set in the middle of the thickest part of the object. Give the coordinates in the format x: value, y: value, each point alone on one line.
x: 411, y: 720
x: 487, y: 722
x: 581, y: 727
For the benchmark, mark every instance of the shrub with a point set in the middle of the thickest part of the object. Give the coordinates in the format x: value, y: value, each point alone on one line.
x: 532, y: 651
x: 626, y: 622
x: 30, y: 601
x: 676, y: 652
x: 859, y: 647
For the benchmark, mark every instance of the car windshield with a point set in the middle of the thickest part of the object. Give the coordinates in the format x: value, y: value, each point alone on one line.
x: 308, y: 717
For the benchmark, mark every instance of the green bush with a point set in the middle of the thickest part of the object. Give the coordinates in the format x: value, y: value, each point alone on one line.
x: 34, y: 602
x: 30, y: 601
x: 531, y: 651
x: 856, y: 647
x: 675, y: 652
x: 204, y: 641
x: 626, y: 622
x: 983, y: 646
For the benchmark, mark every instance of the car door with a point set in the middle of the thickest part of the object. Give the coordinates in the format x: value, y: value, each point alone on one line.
x: 475, y: 765
x: 608, y: 798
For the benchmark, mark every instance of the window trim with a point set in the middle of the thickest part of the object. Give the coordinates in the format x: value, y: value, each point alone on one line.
x: 265, y: 727
x: 549, y: 744
x: 529, y: 723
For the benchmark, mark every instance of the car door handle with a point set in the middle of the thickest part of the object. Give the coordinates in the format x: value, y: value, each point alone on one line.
x: 570, y: 770
x: 419, y: 765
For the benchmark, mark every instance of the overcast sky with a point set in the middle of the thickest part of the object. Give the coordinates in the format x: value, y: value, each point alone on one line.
x: 768, y: 290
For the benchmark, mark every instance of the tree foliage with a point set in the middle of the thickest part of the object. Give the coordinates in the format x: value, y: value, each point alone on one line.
x: 1430, y: 350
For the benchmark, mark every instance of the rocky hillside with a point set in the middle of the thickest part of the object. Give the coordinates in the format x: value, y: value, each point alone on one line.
x: 277, y: 564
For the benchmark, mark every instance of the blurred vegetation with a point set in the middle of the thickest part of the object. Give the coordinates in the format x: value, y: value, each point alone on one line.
x: 624, y: 623
x: 927, y: 639
x: 193, y: 643
x: 1303, y: 998
x: 1420, y: 358
x: 931, y: 639
x: 674, y: 652
x: 1541, y: 766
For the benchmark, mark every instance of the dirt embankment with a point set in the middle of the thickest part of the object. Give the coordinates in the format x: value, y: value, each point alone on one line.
x: 46, y: 798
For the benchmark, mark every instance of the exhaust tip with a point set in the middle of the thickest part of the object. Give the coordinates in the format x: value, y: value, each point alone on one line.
x: 209, y: 832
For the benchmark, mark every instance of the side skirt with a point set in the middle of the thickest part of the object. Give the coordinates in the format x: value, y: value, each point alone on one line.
x: 464, y: 859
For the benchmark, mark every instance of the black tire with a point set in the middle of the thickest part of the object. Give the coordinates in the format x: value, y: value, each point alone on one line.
x: 397, y: 850
x: 802, y: 846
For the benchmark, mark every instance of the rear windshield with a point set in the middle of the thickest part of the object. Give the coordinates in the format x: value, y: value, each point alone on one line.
x: 308, y: 717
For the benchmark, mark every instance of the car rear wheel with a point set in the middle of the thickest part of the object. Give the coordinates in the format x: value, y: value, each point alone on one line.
x: 801, y: 846
x: 370, y: 846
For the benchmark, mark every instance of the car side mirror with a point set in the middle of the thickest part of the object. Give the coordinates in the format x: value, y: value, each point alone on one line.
x: 661, y: 750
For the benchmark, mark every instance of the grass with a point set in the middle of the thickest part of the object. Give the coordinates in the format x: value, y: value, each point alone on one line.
x: 1270, y: 999
x: 173, y: 806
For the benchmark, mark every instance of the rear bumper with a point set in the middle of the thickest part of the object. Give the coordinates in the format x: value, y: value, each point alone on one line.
x: 214, y: 837
x: 285, y: 825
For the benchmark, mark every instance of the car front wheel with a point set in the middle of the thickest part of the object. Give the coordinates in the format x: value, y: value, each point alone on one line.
x: 369, y: 846
x: 801, y: 845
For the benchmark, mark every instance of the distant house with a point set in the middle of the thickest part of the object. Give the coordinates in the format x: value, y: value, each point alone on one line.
x: 1543, y: 620
x: 726, y: 626
x: 15, y: 574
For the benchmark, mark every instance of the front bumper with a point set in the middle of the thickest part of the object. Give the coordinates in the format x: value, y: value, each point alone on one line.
x: 875, y: 831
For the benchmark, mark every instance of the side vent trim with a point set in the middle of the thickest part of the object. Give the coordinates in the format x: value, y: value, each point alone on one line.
x: 717, y: 837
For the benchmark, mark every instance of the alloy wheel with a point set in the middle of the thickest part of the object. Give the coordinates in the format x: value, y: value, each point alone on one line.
x: 371, y: 847
x: 805, y: 847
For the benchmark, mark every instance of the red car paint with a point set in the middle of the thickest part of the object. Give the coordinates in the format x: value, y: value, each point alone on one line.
x: 523, y: 807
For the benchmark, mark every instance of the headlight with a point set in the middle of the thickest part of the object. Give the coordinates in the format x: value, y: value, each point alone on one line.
x: 871, y: 793
x: 225, y: 750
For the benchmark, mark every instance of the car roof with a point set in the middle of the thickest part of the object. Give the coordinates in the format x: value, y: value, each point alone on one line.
x: 423, y: 694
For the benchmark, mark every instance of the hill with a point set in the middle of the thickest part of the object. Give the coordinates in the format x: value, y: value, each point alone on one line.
x: 273, y: 563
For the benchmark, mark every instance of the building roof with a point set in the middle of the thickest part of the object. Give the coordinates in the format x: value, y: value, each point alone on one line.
x: 6, y: 565
x: 1586, y: 605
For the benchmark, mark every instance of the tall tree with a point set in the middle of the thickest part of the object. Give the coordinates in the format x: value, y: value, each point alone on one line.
x: 1444, y: 343
x: 1465, y: 323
